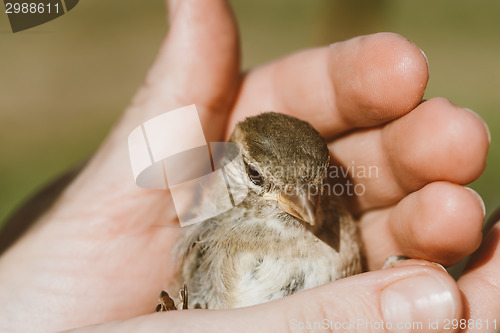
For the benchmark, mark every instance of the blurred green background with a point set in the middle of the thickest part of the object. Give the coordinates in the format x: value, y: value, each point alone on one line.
x: 63, y: 84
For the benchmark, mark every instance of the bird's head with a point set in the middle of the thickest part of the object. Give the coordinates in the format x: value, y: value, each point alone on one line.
x: 286, y: 162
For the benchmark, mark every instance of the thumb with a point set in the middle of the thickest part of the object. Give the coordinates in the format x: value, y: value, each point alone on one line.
x: 416, y: 296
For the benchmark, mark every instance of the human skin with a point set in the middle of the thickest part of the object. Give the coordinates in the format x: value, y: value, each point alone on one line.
x: 98, y: 256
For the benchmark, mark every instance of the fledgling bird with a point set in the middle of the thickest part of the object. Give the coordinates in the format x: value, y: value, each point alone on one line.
x: 290, y: 233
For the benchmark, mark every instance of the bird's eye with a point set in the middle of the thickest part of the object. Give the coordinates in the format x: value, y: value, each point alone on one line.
x: 254, y: 175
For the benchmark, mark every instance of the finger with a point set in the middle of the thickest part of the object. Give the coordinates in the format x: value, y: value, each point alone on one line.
x: 409, y: 296
x: 440, y: 222
x: 197, y: 64
x: 480, y: 285
x: 104, y: 209
x: 436, y: 141
x: 365, y: 81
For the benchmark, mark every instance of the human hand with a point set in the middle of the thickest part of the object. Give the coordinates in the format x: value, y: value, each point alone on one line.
x: 98, y: 254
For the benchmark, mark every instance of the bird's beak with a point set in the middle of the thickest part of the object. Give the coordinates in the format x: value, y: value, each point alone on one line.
x: 304, y: 204
x: 299, y: 203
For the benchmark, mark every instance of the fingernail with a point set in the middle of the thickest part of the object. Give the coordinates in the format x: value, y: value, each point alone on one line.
x: 483, y: 206
x: 433, y: 264
x: 441, y: 267
x: 484, y: 123
x: 426, y: 60
x: 418, y: 304
x: 172, y: 4
x: 398, y: 261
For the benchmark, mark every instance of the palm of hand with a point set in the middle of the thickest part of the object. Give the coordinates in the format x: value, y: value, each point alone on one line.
x: 106, y: 243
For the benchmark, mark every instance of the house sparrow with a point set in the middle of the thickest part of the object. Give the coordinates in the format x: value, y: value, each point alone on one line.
x: 290, y: 233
